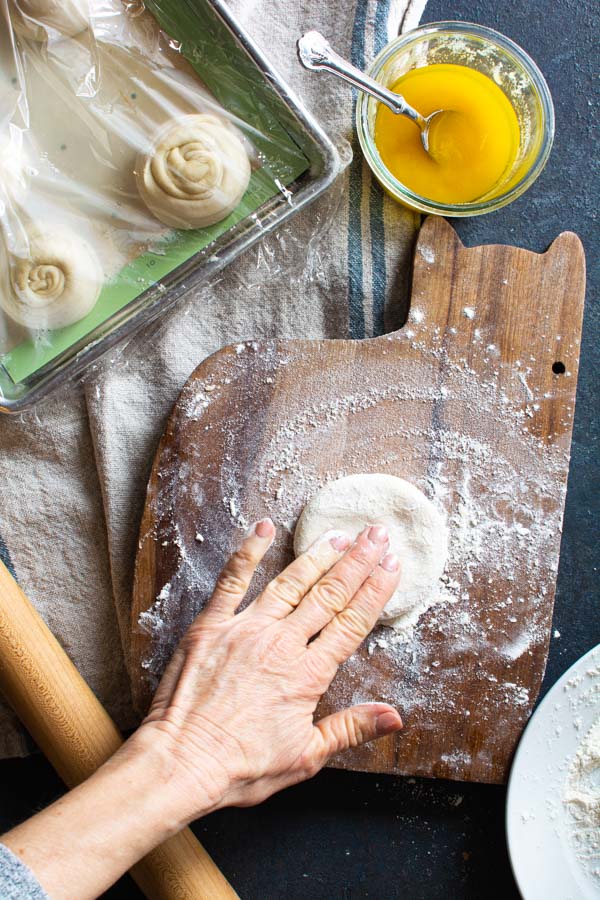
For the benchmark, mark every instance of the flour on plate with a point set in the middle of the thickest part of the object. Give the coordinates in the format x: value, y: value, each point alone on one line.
x: 582, y: 798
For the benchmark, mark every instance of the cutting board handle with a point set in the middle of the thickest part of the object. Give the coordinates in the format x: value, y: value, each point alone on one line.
x: 77, y: 735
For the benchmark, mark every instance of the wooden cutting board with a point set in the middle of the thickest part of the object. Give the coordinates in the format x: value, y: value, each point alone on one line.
x: 472, y: 401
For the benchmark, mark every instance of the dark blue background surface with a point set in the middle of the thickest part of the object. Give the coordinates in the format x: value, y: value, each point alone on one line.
x: 352, y: 836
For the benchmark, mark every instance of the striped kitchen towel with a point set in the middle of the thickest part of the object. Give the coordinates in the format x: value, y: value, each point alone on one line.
x: 73, y: 478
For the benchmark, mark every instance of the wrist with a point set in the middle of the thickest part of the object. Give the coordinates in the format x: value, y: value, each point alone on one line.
x: 178, y: 790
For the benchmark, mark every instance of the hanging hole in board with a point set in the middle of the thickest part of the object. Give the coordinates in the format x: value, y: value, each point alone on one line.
x: 558, y: 368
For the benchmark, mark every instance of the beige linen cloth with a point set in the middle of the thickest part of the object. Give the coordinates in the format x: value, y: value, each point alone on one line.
x: 73, y: 473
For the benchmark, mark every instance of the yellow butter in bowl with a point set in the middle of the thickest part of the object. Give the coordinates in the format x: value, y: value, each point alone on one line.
x: 471, y: 145
x: 491, y: 143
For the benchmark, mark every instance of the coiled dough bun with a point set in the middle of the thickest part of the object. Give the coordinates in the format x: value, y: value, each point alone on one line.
x: 196, y: 172
x: 56, y: 284
x: 69, y: 17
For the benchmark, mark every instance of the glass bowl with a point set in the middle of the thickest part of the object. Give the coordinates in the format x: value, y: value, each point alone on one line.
x: 467, y: 44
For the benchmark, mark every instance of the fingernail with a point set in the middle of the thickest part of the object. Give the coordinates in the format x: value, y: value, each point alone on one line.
x: 340, y: 541
x: 390, y: 562
x: 325, y: 541
x: 264, y: 528
x: 377, y: 534
x: 387, y: 723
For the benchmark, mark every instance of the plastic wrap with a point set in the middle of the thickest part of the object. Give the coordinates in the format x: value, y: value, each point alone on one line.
x: 141, y: 149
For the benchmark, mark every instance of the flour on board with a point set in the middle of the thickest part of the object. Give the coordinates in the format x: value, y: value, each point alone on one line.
x: 504, y: 509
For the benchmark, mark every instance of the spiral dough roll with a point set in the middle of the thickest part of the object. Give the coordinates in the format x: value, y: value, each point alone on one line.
x: 31, y: 17
x: 55, y: 284
x: 196, y: 172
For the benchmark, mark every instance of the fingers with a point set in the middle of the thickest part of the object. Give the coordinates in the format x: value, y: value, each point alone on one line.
x: 335, y: 590
x: 234, y: 580
x: 331, y: 735
x: 286, y: 591
x: 354, y: 726
x: 341, y: 637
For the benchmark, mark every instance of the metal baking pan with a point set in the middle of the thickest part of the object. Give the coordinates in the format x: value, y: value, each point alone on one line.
x: 323, y: 166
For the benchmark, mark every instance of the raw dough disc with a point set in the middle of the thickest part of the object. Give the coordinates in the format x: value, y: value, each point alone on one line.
x: 417, y: 533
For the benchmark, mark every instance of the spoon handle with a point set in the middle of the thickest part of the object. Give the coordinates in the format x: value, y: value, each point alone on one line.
x: 315, y: 53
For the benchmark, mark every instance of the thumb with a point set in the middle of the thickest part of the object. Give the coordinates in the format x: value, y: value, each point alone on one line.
x: 356, y: 725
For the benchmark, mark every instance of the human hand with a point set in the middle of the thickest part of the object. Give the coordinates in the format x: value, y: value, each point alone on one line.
x: 233, y: 718
x: 233, y: 714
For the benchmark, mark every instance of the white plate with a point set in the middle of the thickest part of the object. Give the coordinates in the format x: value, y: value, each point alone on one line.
x: 538, y: 822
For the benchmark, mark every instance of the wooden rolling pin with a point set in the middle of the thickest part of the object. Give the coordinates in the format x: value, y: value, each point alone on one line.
x: 77, y: 735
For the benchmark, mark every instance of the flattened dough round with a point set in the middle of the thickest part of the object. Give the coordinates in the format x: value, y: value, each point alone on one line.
x: 417, y: 532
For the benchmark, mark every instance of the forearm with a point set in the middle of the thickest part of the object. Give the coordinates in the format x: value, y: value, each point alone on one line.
x: 85, y: 841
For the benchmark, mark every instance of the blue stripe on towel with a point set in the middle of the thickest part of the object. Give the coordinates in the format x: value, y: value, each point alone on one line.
x: 376, y: 199
x: 5, y: 557
x: 356, y: 313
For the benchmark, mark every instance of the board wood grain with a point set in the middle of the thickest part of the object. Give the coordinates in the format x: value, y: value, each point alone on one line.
x: 473, y: 401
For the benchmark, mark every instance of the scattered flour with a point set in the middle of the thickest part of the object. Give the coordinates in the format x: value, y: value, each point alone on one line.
x: 428, y: 253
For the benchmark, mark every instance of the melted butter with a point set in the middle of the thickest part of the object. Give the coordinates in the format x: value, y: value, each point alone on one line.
x: 472, y: 146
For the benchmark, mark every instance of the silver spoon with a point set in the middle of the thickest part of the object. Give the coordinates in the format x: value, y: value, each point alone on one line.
x: 315, y: 53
